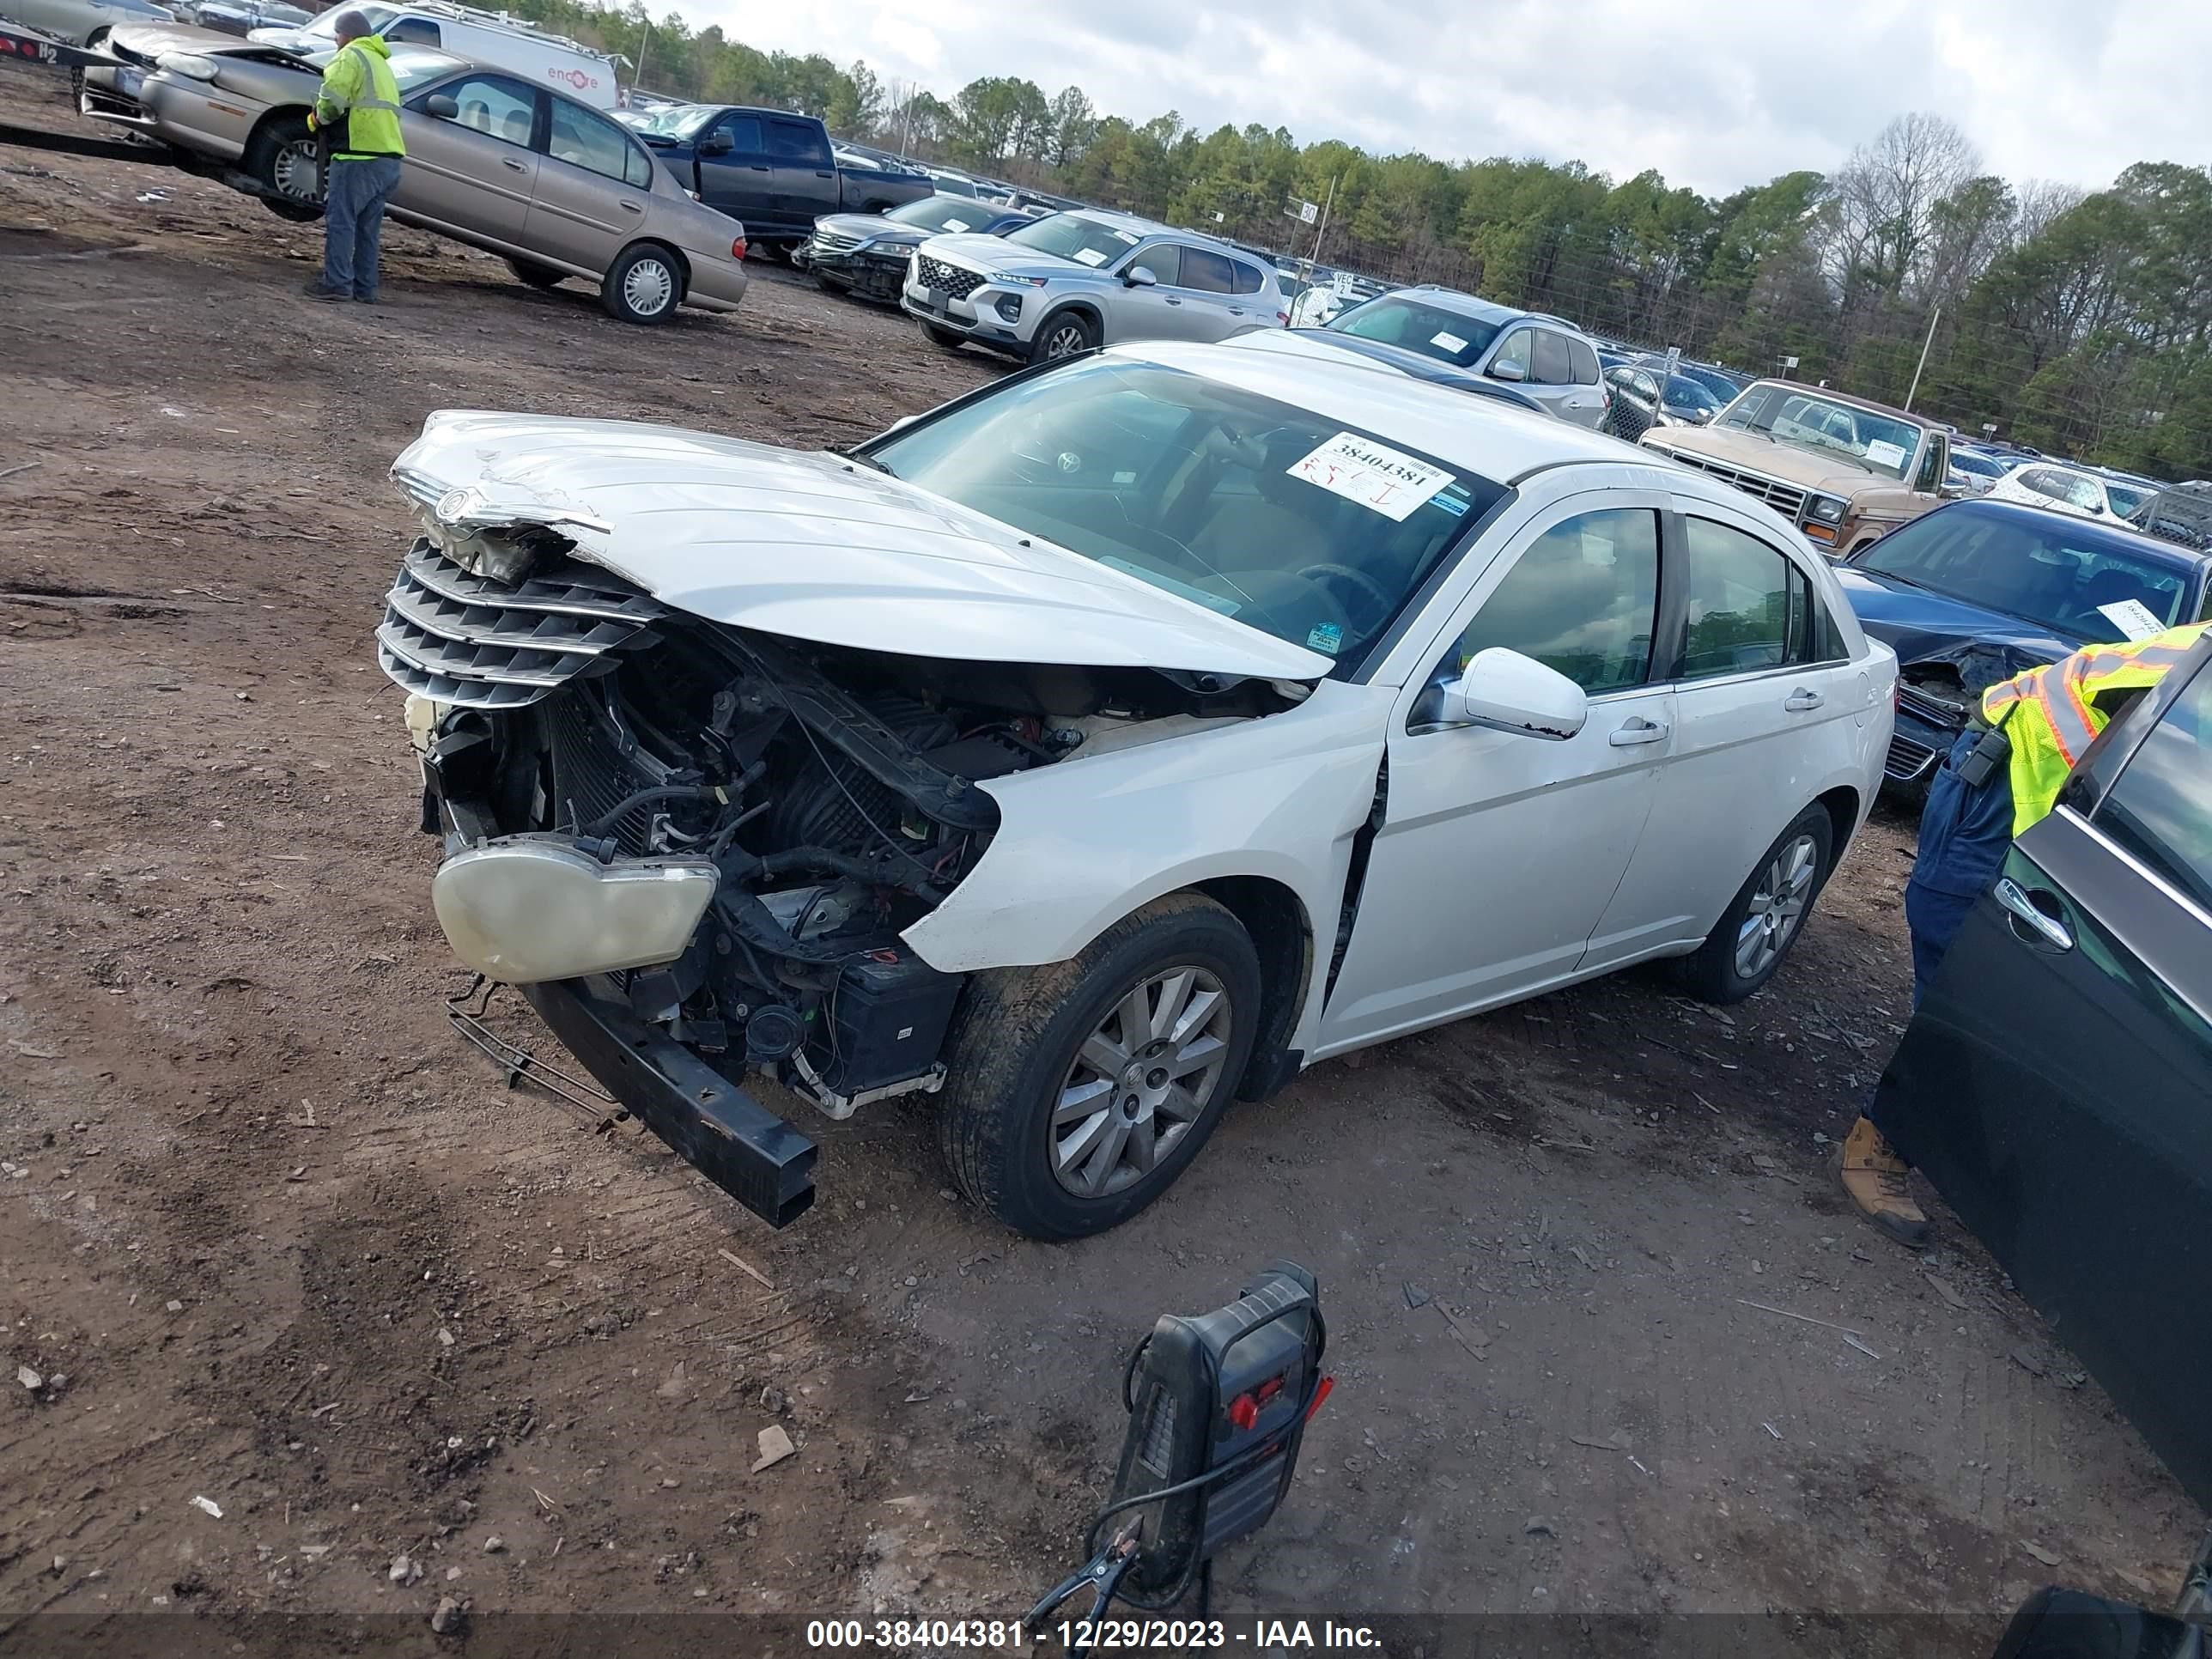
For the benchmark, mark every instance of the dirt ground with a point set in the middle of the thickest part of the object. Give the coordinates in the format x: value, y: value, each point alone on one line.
x: 275, y: 1238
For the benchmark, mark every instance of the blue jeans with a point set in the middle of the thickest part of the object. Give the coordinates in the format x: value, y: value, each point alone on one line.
x: 1964, y: 834
x: 353, y: 223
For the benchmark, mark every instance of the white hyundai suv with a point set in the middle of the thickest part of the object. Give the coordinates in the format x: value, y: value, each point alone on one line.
x: 1113, y: 742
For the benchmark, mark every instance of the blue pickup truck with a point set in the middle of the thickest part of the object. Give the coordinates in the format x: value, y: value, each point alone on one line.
x: 776, y: 171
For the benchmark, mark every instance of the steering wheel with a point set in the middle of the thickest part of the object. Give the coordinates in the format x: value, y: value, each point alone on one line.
x: 1382, y: 598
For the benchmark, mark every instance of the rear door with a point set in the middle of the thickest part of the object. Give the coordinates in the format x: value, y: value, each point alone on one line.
x: 1766, y: 700
x: 1552, y: 380
x: 741, y: 180
x: 2053, y: 1085
x: 1209, y: 290
x: 805, y: 175
x: 472, y: 174
x: 595, y: 188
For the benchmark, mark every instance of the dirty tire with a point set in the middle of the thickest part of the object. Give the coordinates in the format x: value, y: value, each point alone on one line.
x: 265, y: 159
x: 644, y: 285
x: 1019, y: 1033
x: 1715, y: 973
x: 1063, y: 334
x: 948, y: 338
x: 538, y: 275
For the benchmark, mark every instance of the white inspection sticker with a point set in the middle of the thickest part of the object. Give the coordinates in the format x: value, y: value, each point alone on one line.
x: 1128, y: 236
x: 1090, y: 255
x: 1380, y: 478
x: 2132, y: 617
x: 956, y: 224
x: 1448, y: 342
x: 1885, y: 454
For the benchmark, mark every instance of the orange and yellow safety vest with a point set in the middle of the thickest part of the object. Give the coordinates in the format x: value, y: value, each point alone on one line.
x: 2052, y: 717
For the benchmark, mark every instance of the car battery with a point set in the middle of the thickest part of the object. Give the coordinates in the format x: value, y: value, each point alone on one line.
x: 887, y: 1016
x: 1218, y: 1407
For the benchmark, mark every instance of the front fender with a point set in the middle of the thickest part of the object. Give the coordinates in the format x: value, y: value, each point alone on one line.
x: 1082, y: 843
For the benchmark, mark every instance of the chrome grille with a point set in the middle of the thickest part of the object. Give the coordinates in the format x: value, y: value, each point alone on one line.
x: 832, y: 241
x: 1787, y: 499
x: 456, y: 637
x: 1907, y: 762
x: 950, y: 279
x: 1943, y: 716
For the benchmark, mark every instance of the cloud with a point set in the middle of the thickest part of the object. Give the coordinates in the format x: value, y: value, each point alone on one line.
x: 1715, y: 95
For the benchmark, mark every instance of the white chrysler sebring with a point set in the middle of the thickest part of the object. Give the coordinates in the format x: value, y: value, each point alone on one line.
x: 1108, y: 744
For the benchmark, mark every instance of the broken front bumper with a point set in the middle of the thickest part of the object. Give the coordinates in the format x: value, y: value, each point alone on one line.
x: 715, y: 1126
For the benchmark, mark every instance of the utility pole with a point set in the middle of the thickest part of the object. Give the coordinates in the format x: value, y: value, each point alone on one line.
x: 1325, y: 207
x: 1923, y: 363
x: 637, y: 75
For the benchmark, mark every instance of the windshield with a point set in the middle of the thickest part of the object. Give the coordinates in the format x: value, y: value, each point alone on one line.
x: 1072, y: 236
x: 1448, y: 336
x: 949, y: 214
x: 1683, y: 392
x: 1254, y: 509
x: 679, y: 121
x: 379, y: 19
x: 2058, y: 574
x: 1880, y: 443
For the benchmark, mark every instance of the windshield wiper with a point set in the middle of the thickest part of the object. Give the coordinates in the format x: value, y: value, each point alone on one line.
x: 869, y: 461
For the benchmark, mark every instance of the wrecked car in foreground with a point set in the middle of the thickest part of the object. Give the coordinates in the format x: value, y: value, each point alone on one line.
x: 1109, y: 742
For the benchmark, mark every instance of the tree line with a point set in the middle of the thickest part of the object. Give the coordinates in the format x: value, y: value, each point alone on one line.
x: 2079, y: 322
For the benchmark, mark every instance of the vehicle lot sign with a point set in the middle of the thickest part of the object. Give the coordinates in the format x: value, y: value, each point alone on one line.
x: 1380, y: 478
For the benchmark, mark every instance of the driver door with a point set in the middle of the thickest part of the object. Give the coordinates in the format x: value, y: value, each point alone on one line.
x: 1498, y: 852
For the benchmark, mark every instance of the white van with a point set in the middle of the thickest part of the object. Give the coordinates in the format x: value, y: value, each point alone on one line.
x: 488, y: 37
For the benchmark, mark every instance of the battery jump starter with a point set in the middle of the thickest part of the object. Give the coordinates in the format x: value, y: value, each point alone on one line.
x: 1217, y: 1405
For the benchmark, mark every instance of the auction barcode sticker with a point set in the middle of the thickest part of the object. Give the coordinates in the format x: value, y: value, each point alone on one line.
x: 1380, y: 478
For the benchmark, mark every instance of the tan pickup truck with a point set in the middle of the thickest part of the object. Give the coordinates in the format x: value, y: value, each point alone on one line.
x: 1843, y: 470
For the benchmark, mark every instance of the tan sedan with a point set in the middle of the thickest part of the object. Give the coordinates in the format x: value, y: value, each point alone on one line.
x: 524, y: 172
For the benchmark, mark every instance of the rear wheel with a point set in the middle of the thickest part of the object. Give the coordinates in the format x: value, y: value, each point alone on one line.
x: 1080, y: 1091
x: 643, y: 286
x: 536, y: 275
x: 1768, y: 913
x: 282, y: 158
x: 1063, y: 335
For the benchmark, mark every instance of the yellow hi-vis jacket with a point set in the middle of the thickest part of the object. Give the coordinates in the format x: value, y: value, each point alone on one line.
x: 2050, y: 714
x: 359, y: 99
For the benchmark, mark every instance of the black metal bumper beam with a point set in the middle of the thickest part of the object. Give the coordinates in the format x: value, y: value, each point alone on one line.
x: 717, y: 1128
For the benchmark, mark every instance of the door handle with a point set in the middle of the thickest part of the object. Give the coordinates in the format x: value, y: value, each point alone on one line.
x: 514, y: 165
x: 1639, y: 730
x: 2048, y: 929
x: 758, y: 166
x: 631, y: 207
x: 1173, y: 300
x: 1801, y: 700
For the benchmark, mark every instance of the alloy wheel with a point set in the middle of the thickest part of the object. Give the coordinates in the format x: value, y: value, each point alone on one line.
x: 1778, y: 905
x: 1142, y: 1078
x: 649, y: 286
x: 1065, y: 340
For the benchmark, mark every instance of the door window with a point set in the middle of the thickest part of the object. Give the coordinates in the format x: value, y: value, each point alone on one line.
x: 414, y: 30
x: 497, y: 107
x: 1249, y: 279
x: 1585, y: 362
x: 796, y: 144
x: 1163, y: 260
x: 1207, y: 271
x: 1930, y: 475
x: 1739, y: 593
x: 744, y: 132
x: 1515, y: 349
x: 1581, y: 599
x: 2160, y: 808
x: 1552, y: 366
x: 585, y: 140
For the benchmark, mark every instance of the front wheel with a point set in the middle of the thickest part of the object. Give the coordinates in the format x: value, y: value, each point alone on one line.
x: 950, y: 339
x: 642, y: 286
x: 1063, y: 336
x: 1080, y: 1091
x: 1767, y: 914
x: 283, y: 160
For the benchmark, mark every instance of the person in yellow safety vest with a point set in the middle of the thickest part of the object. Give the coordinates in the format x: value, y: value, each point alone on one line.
x: 2001, y: 777
x: 358, y: 107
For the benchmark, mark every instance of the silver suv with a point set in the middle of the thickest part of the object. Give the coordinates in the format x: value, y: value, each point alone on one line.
x: 1074, y: 281
x: 1543, y: 356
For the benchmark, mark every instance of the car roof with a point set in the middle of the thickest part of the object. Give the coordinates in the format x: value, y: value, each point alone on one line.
x: 1489, y: 310
x: 1491, y: 439
x: 2121, y: 537
x: 1115, y: 219
x: 1844, y: 397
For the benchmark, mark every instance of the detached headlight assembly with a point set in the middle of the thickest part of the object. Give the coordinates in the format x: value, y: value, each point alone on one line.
x: 1826, y: 509
x: 526, y: 909
x: 189, y: 64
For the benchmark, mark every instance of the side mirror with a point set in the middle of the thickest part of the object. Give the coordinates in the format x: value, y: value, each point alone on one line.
x: 1951, y: 492
x: 1140, y: 276
x: 1509, y: 692
x: 1508, y: 370
x: 717, y: 142
x: 445, y: 108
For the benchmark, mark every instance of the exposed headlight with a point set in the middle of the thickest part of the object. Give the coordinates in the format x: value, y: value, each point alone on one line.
x: 1826, y: 509
x: 189, y: 65
x: 527, y: 908
x: 1012, y: 280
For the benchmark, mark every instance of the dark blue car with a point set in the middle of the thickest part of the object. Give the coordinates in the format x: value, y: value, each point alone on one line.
x: 1978, y: 590
x: 867, y: 253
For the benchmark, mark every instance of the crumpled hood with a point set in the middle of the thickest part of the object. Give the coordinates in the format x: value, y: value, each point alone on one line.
x: 1983, y: 646
x: 151, y: 40
x: 812, y: 546
x: 873, y: 228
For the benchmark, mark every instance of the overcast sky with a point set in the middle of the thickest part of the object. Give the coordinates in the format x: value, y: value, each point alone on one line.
x: 1715, y: 94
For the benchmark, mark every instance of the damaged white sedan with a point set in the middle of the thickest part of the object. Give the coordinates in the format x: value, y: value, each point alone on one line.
x: 1111, y: 742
